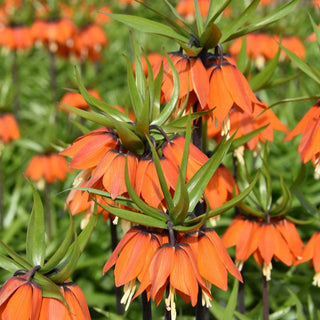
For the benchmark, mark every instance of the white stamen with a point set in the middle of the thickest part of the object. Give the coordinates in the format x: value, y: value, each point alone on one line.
x: 266, y: 270
x: 239, y: 265
x: 129, y: 289
x: 238, y: 153
x: 170, y: 304
x: 226, y: 127
x: 317, y: 168
x: 316, y: 279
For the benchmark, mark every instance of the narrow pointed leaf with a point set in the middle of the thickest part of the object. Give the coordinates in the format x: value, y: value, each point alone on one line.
x: 157, y: 94
x: 144, y: 207
x: 16, y: 257
x: 316, y: 29
x: 170, y: 106
x: 199, y: 21
x: 135, y: 217
x: 148, y: 26
x: 262, y: 78
x: 93, y: 101
x: 215, y: 9
x: 305, y: 98
x: 236, y: 143
x: 178, y: 17
x: 233, y: 26
x: 142, y: 123
x: 136, y: 99
x: 231, y: 203
x: 92, y: 116
x: 49, y: 288
x: 243, y: 59
x: 302, y: 65
x: 67, y: 267
x: 197, y: 184
x: 62, y: 250
x: 260, y: 23
x: 232, y: 302
x: 285, y: 203
x: 8, y: 264
x: 161, y: 177
x: 35, y: 242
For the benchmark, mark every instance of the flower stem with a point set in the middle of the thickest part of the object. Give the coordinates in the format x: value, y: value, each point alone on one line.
x: 114, y: 243
x: 53, y: 82
x: 146, y: 307
x: 241, y: 304
x: 265, y: 298
x: 201, y: 311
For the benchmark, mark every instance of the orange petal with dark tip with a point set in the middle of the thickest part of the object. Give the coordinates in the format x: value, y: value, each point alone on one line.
x: 10, y: 286
x: 267, y: 244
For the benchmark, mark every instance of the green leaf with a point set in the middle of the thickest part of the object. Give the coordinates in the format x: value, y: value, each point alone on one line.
x: 157, y: 94
x: 210, y: 37
x: 161, y: 177
x: 49, y: 288
x: 245, y: 16
x: 302, y: 65
x: 260, y: 23
x: 136, y: 99
x: 199, y: 21
x: 93, y: 101
x: 305, y: 98
x: 261, y: 79
x: 170, y: 106
x: 197, y: 184
x: 242, y: 60
x: 232, y: 302
x: 26, y: 265
x: 35, y: 242
x: 129, y: 139
x: 215, y: 9
x: 61, y: 251
x: 144, y: 207
x: 142, y: 123
x: 316, y: 29
x: 92, y: 116
x: 135, y: 217
x: 284, y: 206
x: 148, y: 26
x: 231, y: 203
x: 8, y: 264
x: 236, y: 143
x: 265, y: 188
x: 69, y: 264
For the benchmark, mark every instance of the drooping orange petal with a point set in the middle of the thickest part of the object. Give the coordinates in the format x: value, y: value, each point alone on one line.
x: 219, y: 96
x: 36, y: 301
x: 81, y: 299
x: 9, y: 287
x: 160, y: 268
x: 267, y: 242
x: 200, y: 81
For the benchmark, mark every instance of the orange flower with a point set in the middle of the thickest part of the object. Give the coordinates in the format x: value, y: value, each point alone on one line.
x: 221, y: 185
x: 9, y: 129
x: 132, y: 258
x: 88, y: 150
x: 51, y: 167
x: 186, y: 8
x: 259, y: 45
x: 193, y: 78
x: 312, y: 37
x: 316, y: 3
x: 243, y: 123
x: 101, y: 17
x: 76, y: 100
x: 153, y: 58
x: 54, y: 33
x: 89, y: 41
x: 20, y: 299
x: 311, y: 252
x: 16, y: 38
x: 213, y: 260
x: 111, y: 172
x: 309, y: 146
x: 277, y: 238
x: 175, y: 267
x: 52, y: 309
x: 229, y: 88
x: 147, y: 184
